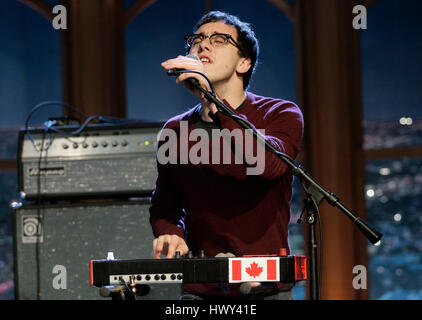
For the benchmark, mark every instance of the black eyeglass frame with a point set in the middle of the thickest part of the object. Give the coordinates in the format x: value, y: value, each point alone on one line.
x: 226, y: 35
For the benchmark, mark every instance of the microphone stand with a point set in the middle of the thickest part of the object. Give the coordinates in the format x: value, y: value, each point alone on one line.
x: 315, y: 193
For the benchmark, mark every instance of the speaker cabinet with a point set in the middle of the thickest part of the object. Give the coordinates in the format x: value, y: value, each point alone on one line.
x: 54, y: 243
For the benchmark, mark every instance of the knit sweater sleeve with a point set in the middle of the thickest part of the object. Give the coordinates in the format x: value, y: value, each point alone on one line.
x: 283, y: 125
x: 166, y: 211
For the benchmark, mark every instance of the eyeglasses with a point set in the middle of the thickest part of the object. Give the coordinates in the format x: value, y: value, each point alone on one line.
x: 216, y: 40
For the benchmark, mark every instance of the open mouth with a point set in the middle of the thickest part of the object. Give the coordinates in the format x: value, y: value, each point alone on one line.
x: 205, y: 60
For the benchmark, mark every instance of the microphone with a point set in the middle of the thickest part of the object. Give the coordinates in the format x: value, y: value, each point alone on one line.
x: 177, y: 71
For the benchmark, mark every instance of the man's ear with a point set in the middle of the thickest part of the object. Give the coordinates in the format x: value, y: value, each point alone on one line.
x: 244, y: 65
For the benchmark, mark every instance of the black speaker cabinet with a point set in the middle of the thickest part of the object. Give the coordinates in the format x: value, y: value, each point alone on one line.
x: 53, y: 245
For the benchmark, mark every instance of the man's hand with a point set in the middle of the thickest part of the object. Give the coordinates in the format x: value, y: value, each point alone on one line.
x: 168, y: 244
x: 187, y: 63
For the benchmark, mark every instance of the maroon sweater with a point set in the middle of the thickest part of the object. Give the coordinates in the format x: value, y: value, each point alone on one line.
x: 219, y: 208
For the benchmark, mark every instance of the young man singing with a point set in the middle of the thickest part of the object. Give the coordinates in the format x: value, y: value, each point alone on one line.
x: 221, y: 206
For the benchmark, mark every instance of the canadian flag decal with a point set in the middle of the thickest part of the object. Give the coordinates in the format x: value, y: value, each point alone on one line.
x: 254, y: 269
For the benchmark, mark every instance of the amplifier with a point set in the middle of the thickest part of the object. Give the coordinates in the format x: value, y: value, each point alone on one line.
x: 101, y: 161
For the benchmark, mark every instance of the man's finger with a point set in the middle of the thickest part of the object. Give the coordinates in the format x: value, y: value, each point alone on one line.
x: 155, y: 250
x: 172, y: 245
x: 154, y: 245
x: 182, y: 248
x: 159, y: 245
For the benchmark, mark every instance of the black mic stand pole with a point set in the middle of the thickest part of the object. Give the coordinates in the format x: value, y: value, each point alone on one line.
x: 315, y: 192
x: 311, y: 203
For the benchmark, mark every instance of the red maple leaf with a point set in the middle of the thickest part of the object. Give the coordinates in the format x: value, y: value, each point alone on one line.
x: 254, y: 270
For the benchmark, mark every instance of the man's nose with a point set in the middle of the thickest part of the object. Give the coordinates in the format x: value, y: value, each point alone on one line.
x: 205, y: 45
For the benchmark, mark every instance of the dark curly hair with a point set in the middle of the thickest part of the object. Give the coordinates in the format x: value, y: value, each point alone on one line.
x: 245, y: 37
